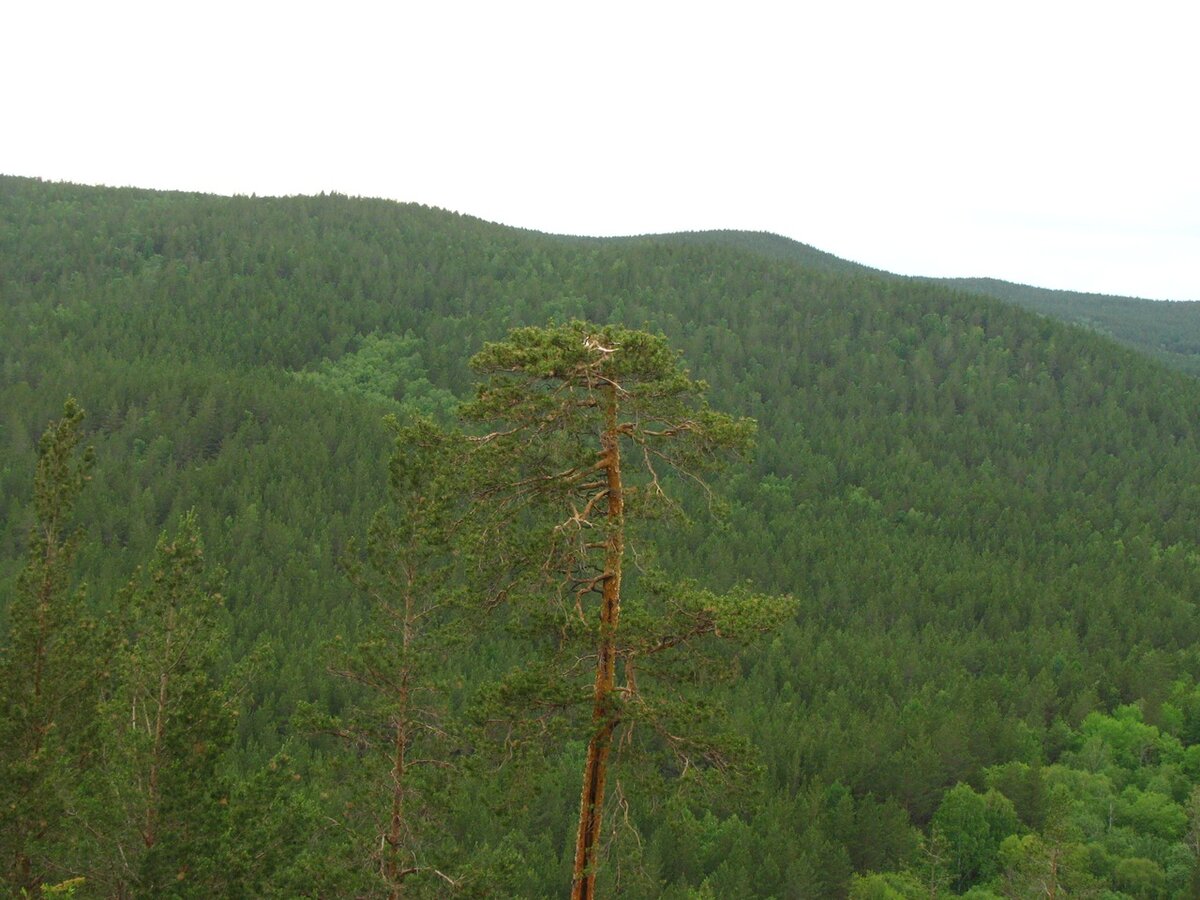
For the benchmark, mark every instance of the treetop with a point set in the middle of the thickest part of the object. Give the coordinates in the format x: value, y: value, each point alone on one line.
x: 583, y: 351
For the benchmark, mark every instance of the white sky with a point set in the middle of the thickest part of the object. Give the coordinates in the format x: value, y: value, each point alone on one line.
x: 1052, y: 143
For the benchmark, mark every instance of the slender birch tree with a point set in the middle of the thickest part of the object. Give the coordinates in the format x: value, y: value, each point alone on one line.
x: 592, y: 428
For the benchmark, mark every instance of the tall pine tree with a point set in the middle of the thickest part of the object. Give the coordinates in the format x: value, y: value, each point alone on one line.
x: 400, y: 728
x: 45, y: 672
x: 592, y: 425
x: 154, y: 805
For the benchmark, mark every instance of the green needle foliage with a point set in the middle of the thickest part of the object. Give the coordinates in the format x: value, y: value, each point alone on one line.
x: 594, y: 425
x: 156, y: 799
x: 400, y: 729
x: 44, y: 674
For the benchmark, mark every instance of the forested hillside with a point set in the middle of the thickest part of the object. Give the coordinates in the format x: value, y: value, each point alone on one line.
x: 1168, y: 331
x: 987, y: 519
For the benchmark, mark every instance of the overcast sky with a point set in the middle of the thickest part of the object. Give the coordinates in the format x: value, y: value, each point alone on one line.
x: 1051, y: 143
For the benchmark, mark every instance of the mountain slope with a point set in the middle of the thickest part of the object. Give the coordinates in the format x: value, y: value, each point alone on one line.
x: 989, y: 516
x: 1166, y: 330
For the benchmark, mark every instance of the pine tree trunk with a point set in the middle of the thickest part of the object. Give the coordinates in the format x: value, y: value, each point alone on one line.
x: 150, y: 833
x: 396, y: 825
x: 393, y: 871
x: 395, y: 877
x: 591, y: 803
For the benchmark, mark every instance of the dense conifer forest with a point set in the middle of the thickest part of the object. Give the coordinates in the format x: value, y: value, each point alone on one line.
x: 262, y: 538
